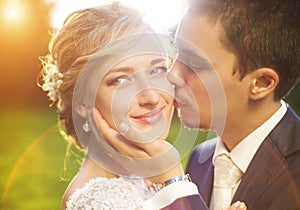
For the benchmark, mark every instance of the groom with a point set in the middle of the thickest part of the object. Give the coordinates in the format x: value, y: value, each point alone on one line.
x: 254, y: 48
x: 251, y: 48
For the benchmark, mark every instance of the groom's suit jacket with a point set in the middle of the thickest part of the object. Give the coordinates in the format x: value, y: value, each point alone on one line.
x: 272, y: 180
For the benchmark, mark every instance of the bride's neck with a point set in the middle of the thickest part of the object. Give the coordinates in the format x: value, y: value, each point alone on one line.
x: 95, y: 169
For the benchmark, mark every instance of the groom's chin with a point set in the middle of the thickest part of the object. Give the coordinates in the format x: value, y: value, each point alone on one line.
x: 187, y: 122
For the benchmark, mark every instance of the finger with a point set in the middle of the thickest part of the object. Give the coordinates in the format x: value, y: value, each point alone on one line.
x: 234, y: 206
x: 105, y: 130
x: 242, y: 206
x: 238, y: 206
x: 117, y: 141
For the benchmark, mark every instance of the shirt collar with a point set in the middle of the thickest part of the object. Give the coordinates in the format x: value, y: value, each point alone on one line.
x: 244, y: 152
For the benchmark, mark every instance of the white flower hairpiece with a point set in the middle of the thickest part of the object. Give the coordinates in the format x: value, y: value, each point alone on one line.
x: 52, y: 81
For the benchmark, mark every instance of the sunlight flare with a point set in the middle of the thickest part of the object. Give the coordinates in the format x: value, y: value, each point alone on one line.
x: 13, y: 10
x: 160, y: 14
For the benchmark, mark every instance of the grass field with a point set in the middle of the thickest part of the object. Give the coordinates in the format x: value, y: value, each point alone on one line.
x: 31, y: 160
x: 32, y: 154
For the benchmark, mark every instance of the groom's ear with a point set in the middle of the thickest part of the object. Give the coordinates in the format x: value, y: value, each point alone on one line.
x: 263, y: 84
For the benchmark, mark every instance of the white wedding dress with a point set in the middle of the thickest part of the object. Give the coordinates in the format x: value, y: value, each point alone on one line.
x: 115, y: 193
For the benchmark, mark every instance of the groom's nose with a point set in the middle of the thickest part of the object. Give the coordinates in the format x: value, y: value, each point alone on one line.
x: 176, y: 74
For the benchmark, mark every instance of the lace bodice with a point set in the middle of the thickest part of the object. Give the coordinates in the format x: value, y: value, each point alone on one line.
x: 116, y: 193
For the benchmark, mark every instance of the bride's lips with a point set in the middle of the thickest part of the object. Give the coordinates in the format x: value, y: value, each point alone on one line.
x: 150, y: 117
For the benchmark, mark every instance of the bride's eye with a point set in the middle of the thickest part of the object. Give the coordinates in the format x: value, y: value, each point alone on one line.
x: 121, y: 80
x: 158, y: 71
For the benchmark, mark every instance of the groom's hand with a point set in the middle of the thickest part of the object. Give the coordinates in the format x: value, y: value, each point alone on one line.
x: 135, y: 149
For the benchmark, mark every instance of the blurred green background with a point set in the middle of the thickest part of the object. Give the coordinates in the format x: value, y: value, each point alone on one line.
x: 32, y: 152
x: 32, y: 160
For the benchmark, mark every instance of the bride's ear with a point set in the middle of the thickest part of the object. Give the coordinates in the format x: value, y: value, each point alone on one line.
x: 264, y: 81
x: 82, y: 111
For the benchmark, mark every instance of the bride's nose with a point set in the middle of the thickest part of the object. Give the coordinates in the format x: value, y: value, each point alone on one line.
x: 148, y: 97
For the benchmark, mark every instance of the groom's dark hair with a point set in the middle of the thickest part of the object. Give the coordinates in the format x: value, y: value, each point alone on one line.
x: 261, y: 33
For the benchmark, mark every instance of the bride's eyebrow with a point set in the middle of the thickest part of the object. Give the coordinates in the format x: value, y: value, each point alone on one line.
x: 128, y: 69
x: 125, y: 69
x: 156, y: 61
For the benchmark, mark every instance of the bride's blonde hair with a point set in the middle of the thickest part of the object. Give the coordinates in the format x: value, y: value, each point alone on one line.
x: 84, y: 32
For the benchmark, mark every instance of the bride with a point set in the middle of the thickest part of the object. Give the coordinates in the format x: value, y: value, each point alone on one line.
x: 106, y: 61
x: 85, y: 62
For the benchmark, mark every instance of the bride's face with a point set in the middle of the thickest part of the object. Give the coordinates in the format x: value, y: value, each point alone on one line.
x: 136, y: 90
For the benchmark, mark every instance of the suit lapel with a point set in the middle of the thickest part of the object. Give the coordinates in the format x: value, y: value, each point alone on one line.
x: 206, y: 184
x: 270, y: 159
x: 201, y: 169
x: 260, y: 174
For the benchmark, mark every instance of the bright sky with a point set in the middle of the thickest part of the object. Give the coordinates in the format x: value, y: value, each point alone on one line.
x: 160, y: 13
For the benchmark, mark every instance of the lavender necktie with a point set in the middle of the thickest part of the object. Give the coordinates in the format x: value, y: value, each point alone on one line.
x: 226, y: 176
